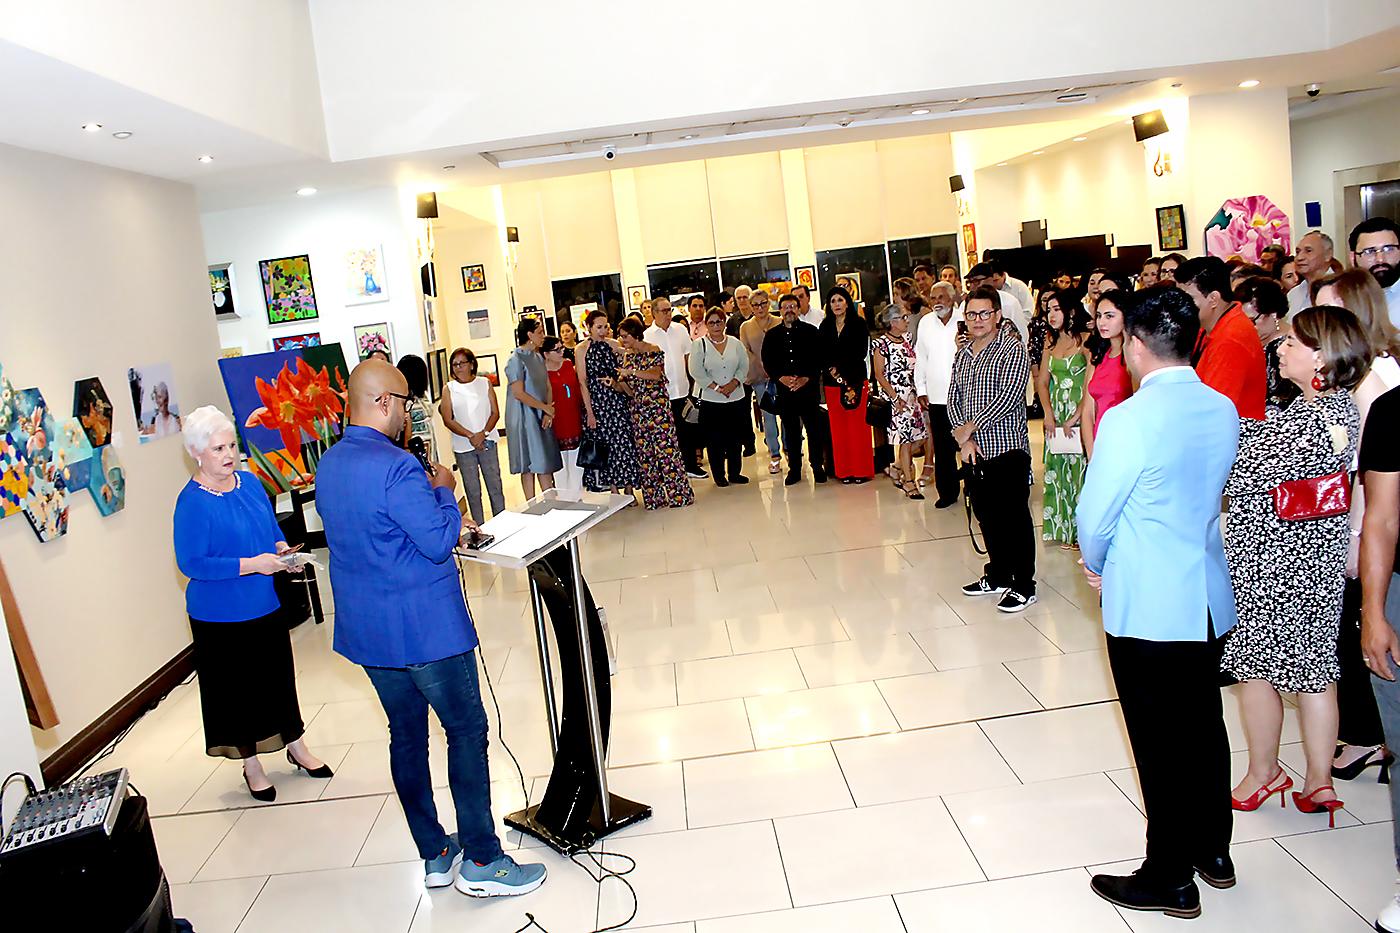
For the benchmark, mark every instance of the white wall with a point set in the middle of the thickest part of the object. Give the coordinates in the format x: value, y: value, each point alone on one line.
x: 16, y: 742
x: 1354, y: 138
x: 324, y: 227
x: 103, y: 270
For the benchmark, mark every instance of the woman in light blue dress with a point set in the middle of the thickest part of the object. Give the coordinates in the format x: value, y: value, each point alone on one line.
x: 534, y: 452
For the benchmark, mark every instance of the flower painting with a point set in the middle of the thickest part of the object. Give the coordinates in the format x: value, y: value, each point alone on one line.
x: 364, y: 276
x: 287, y: 289
x: 93, y: 409
x: 372, y: 337
x: 221, y: 290
x: 1244, y: 226
x: 296, y: 341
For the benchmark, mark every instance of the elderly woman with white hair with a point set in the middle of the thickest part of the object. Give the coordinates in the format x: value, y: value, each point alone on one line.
x: 228, y: 544
x: 894, y: 362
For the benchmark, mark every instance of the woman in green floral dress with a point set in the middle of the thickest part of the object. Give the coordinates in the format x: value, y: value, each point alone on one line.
x: 1060, y: 386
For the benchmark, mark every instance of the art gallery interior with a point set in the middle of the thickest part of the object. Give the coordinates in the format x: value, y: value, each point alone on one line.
x: 828, y: 738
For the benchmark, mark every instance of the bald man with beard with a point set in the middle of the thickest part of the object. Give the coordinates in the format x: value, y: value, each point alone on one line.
x: 400, y: 614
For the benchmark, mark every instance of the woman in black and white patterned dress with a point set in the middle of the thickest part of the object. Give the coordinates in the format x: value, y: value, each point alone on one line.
x: 1288, y: 575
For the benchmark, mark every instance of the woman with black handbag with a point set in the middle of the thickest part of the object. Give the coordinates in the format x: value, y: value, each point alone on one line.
x: 609, y: 451
x: 897, y: 406
x: 1286, y: 539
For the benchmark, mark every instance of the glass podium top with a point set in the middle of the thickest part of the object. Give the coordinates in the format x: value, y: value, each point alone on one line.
x: 525, y: 534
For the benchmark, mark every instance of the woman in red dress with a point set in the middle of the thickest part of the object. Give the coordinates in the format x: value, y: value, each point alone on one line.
x: 846, y: 349
x: 568, y: 412
x: 1108, y: 381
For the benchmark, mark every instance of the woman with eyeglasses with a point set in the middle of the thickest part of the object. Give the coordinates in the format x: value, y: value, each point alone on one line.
x: 469, y: 411
x: 534, y: 453
x: 846, y: 345
x: 718, y: 365
x: 1060, y: 388
x: 893, y: 360
x: 607, y: 410
x: 1265, y: 303
x: 568, y: 412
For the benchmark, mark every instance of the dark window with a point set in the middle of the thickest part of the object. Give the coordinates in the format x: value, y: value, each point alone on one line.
x: 869, y: 261
x: 933, y: 251
x: 685, y: 278
x: 605, y: 290
x: 755, y: 270
x: 1381, y: 199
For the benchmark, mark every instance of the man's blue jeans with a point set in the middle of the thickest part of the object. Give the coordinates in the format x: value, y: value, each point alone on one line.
x: 450, y: 687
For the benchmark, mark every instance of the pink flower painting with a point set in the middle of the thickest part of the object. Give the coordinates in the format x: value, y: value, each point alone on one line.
x: 1244, y: 226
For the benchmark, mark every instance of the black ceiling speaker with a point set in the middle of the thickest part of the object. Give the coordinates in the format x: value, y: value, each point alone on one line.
x: 427, y: 206
x: 955, y: 183
x: 1149, y: 124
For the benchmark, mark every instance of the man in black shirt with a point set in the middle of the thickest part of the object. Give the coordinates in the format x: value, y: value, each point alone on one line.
x: 792, y: 356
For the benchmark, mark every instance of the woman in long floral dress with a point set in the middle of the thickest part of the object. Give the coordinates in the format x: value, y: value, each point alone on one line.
x: 606, y: 411
x: 893, y: 359
x: 1060, y: 388
x: 663, y: 479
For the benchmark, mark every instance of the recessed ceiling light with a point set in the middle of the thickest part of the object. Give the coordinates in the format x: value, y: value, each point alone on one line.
x: 122, y: 134
x: 306, y: 192
x: 1080, y: 139
x: 1000, y: 164
x: 92, y: 127
x: 1072, y: 97
x: 920, y: 112
x: 1249, y: 83
x: 688, y: 136
x: 448, y: 168
x: 206, y: 158
x: 1038, y: 152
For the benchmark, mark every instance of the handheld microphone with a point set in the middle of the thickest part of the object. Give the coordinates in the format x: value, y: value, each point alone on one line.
x: 420, y: 450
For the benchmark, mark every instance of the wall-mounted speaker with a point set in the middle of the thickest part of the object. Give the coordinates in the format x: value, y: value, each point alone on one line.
x: 427, y: 206
x: 955, y: 183
x: 1149, y: 124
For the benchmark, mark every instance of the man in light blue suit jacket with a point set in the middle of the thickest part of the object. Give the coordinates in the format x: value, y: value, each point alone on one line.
x: 1149, y: 532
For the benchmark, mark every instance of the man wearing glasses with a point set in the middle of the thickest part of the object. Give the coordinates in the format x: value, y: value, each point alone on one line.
x: 1375, y: 247
x: 987, y: 408
x: 935, y: 347
x: 400, y: 615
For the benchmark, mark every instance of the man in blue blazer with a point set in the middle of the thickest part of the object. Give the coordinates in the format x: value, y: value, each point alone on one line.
x: 1149, y: 532
x: 400, y: 614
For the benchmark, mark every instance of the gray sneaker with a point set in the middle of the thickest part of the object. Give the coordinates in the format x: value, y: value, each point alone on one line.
x: 502, y: 877
x: 438, y: 871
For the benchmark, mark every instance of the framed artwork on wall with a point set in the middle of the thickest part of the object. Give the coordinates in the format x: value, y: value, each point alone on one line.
x: 487, y: 366
x: 805, y: 276
x: 296, y: 341
x: 479, y: 324
x: 474, y: 278
x: 437, y: 373
x: 221, y: 290
x: 636, y: 294
x: 850, y: 281
x: 969, y: 236
x: 372, y: 337
x: 1171, y: 228
x: 155, y: 401
x: 288, y: 290
x: 1243, y: 227
x: 365, y: 281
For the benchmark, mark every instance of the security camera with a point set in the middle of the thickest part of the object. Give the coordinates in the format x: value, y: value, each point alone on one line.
x: 1314, y: 90
x: 610, y: 152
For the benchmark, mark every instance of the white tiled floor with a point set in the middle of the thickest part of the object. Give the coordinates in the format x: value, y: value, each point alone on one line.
x: 831, y: 737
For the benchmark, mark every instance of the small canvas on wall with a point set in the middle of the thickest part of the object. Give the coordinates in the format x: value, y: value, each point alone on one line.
x: 296, y: 341
x: 806, y: 276
x: 221, y: 290
x: 372, y: 337
x: 1171, y: 228
x: 364, y: 276
x: 93, y: 409
x: 636, y: 294
x: 479, y: 324
x: 487, y: 366
x: 288, y: 290
x: 474, y: 278
x: 154, y: 399
x: 850, y: 281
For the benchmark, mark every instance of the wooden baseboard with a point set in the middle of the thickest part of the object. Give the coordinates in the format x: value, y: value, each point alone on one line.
x: 64, y: 763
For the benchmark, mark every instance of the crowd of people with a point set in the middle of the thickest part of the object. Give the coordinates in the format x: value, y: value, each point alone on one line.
x: 1223, y: 451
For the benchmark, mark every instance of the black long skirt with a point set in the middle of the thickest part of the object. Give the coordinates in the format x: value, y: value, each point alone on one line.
x: 247, y: 686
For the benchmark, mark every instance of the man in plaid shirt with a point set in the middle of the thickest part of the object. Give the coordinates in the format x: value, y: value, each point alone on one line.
x: 987, y: 408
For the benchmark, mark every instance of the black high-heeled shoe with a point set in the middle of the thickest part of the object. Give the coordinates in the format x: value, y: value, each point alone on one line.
x: 1377, y: 756
x: 322, y: 772
x: 266, y: 795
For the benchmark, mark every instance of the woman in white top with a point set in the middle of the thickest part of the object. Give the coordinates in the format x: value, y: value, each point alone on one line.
x: 469, y: 410
x: 718, y: 364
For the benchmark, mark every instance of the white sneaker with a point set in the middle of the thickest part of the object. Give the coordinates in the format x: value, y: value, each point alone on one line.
x: 774, y: 465
x: 1389, y: 919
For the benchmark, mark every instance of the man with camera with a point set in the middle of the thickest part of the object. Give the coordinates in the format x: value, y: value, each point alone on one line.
x: 987, y: 408
x: 400, y: 615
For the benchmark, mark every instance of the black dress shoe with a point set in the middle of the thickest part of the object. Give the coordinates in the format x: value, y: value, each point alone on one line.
x: 818, y: 476
x: 943, y: 503
x: 793, y: 478
x: 322, y: 772
x: 1218, y: 872
x: 739, y: 478
x: 1136, y: 892
x: 266, y: 795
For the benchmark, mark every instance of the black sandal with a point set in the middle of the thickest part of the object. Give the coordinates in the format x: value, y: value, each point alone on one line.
x: 911, y: 495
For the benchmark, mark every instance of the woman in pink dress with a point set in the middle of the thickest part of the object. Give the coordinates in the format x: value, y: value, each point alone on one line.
x: 1109, y: 382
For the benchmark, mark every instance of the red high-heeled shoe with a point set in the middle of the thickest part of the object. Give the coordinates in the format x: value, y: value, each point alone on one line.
x: 1307, y: 803
x: 1255, y: 800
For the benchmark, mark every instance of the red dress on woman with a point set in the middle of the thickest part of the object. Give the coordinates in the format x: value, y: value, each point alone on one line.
x: 568, y: 406
x: 1109, y: 385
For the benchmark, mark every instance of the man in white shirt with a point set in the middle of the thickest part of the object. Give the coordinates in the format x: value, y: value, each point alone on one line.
x: 1375, y: 247
x: 1011, y: 307
x: 1312, y: 263
x: 935, y: 345
x: 1008, y: 283
x: 806, y: 312
x: 674, y: 341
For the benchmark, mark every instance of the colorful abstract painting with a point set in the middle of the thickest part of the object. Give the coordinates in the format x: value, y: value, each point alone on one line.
x: 806, y: 277
x: 1244, y: 226
x: 364, y: 276
x: 296, y: 341
x: 46, y: 501
x: 372, y: 337
x: 474, y: 278
x: 93, y: 409
x: 72, y: 453
x: 14, y: 476
x: 288, y: 290
x: 1171, y: 228
x: 7, y: 403
x: 288, y: 406
x: 107, y: 481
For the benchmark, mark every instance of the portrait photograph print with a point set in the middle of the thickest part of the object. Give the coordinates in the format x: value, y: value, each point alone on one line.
x: 154, y: 399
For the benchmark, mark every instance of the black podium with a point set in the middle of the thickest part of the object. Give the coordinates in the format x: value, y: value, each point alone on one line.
x: 577, y: 809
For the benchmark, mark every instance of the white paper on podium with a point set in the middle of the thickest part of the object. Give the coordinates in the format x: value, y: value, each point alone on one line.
x: 521, y: 534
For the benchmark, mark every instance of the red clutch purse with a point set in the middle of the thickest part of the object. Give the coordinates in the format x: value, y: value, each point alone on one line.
x: 1301, y: 500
